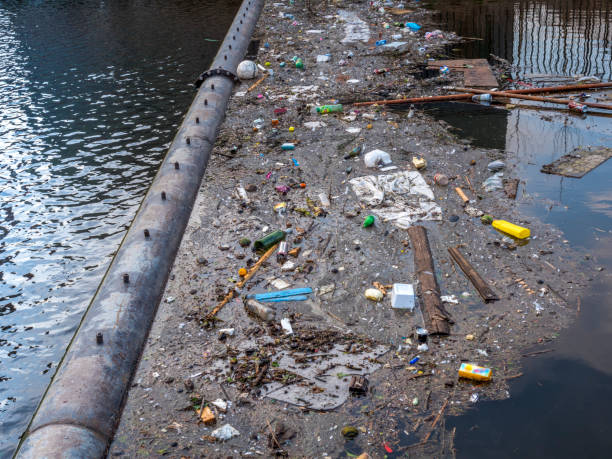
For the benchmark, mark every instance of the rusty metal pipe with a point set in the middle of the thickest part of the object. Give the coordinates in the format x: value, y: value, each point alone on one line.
x: 468, y: 95
x: 550, y: 100
x: 82, y: 406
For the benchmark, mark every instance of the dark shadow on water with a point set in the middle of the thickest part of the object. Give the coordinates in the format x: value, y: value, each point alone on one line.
x: 560, y: 408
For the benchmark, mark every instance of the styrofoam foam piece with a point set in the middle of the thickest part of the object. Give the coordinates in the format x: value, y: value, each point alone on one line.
x: 402, y: 296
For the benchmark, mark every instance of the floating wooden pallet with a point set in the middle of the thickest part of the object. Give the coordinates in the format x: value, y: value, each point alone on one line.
x: 477, y: 72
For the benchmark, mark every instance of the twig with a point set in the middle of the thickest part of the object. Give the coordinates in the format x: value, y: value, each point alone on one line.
x: 518, y: 375
x: 544, y: 351
x: 578, y: 307
x: 435, y: 421
x: 273, y: 434
x: 254, y: 85
x: 467, y: 179
x: 451, y: 443
x: 240, y: 284
x: 557, y: 294
x: 225, y: 392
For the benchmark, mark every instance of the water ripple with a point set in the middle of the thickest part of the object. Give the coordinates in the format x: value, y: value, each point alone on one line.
x: 90, y: 95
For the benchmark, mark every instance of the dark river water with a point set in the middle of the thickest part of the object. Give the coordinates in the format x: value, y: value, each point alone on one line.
x: 561, y: 407
x: 91, y: 93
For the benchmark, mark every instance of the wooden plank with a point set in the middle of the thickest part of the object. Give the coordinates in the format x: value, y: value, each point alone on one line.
x: 476, y: 72
x: 511, y: 187
x: 578, y: 162
x: 437, y: 320
x: 481, y: 285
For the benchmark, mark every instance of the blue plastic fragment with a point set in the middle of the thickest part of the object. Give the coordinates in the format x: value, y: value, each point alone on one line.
x: 296, y: 292
x: 285, y: 298
x: 413, y: 25
x: 415, y: 360
x: 295, y: 163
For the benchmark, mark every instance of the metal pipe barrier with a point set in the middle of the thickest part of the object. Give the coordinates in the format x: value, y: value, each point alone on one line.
x: 81, y: 409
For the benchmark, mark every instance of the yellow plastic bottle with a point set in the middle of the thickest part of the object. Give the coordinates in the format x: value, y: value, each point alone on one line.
x: 471, y: 371
x: 510, y: 228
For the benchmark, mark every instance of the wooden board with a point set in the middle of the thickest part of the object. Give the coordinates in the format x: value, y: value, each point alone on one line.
x: 578, y: 162
x: 477, y: 72
x: 479, y: 283
x: 437, y: 320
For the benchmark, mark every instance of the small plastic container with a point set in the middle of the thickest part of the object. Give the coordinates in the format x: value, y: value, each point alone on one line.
x: 402, y: 296
x: 510, y: 228
x: 471, y: 371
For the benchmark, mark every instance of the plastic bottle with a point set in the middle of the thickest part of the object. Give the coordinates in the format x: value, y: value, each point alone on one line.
x: 441, y: 179
x: 299, y: 63
x: 269, y: 240
x: 510, y: 228
x: 381, y: 42
x: 336, y: 108
x: 354, y: 152
x: 577, y: 107
x: 281, y: 255
x: 482, y: 98
x: 262, y: 311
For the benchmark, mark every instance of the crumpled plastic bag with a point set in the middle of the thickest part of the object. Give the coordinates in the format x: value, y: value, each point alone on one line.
x: 402, y: 198
x: 494, y: 182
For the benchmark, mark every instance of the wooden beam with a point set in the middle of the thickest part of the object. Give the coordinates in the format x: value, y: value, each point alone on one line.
x: 481, y: 285
x: 437, y: 319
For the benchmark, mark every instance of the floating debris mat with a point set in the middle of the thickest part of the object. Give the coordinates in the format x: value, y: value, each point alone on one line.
x: 578, y: 162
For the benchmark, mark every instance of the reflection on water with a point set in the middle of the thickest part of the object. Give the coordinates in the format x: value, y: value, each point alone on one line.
x: 548, y: 38
x: 90, y: 96
x: 560, y: 408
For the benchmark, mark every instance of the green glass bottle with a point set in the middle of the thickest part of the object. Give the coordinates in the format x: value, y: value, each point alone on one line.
x: 268, y: 240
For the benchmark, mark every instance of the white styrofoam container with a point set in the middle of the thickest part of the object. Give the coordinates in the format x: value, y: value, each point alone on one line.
x: 402, y: 296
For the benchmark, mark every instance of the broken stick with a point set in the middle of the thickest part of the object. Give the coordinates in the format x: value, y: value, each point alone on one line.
x: 481, y: 285
x: 254, y: 85
x: 435, y: 422
x: 240, y: 284
x: 438, y: 320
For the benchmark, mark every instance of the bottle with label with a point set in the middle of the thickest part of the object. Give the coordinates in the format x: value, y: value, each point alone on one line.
x: 482, y: 98
x: 336, y: 108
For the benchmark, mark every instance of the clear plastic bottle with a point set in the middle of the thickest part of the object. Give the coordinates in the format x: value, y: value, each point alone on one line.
x: 265, y: 313
x: 482, y: 98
